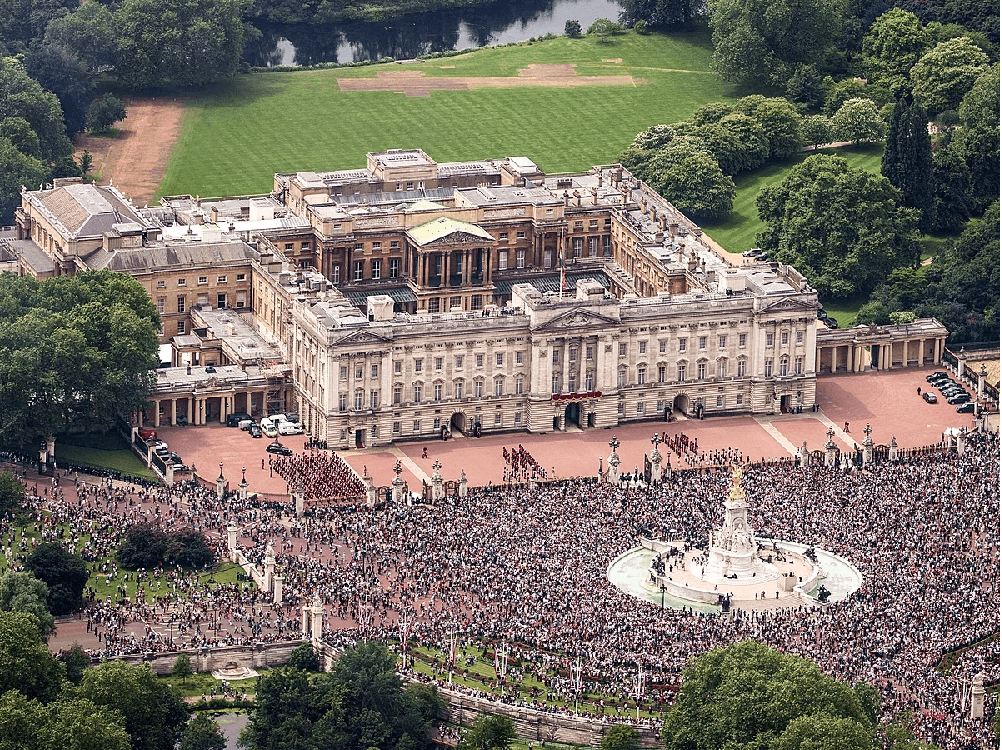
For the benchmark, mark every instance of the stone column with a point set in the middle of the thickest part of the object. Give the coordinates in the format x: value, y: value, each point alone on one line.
x: 370, y: 491
x: 978, y: 696
x: 277, y: 590
x: 867, y: 446
x: 156, y: 413
x: 462, y: 484
x: 437, y: 488
x: 304, y: 620
x: 269, y: 567
x: 220, y: 484
x: 317, y: 612
x: 961, y: 362
x: 398, y: 483
x: 961, y: 442
x: 982, y: 377
x: 298, y: 498
x: 173, y: 411
x: 831, y: 451
x: 805, y: 456
x: 892, y: 454
x: 614, y: 461
x: 169, y: 473
x: 231, y: 541
x: 243, y: 484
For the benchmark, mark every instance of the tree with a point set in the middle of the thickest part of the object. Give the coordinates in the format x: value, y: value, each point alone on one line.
x: 891, y: 48
x: 737, y: 142
x: 61, y: 73
x: 69, y: 722
x: 688, y: 176
x: 954, y: 202
x: 17, y: 169
x: 146, y: 546
x: 761, y: 43
x: 25, y: 663
x: 88, y: 33
x: 65, y: 574
x: 655, y: 137
x: 603, y: 28
x: 816, y: 130
x: 837, y: 94
x: 663, y: 14
x: 942, y: 76
x: 489, y: 732
x: 11, y: 493
x: 154, y: 714
x: 806, y: 87
x: 572, y: 29
x: 620, y: 737
x: 75, y: 661
x: 305, y: 658
x: 857, y: 120
x: 104, y: 112
x: 746, y: 696
x: 23, y: 592
x: 182, y: 667
x: 978, y: 140
x: 22, y: 96
x: 907, y: 161
x: 202, y: 733
x: 74, y: 351
x: 178, y: 43
x: 22, y: 22
x: 842, y: 227
x: 780, y: 123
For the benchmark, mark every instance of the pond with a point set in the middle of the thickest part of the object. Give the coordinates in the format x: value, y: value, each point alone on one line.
x: 422, y: 33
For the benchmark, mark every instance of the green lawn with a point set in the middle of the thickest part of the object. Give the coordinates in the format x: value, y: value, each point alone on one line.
x: 122, y: 460
x: 737, y: 232
x: 234, y: 138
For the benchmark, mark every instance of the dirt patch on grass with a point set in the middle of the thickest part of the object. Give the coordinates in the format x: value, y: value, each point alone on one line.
x: 136, y: 159
x: 415, y: 83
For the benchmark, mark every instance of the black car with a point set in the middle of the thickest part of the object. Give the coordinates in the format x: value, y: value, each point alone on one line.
x: 938, y: 375
x: 966, y: 408
x: 255, y: 430
x: 236, y: 418
x: 182, y: 420
x: 958, y: 398
x: 929, y: 398
x: 830, y: 322
x: 278, y: 448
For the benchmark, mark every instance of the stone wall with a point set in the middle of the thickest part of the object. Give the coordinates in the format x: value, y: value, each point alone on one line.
x: 258, y: 655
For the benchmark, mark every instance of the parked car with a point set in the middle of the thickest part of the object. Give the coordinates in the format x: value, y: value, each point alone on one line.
x: 278, y: 448
x: 822, y: 314
x: 951, y: 390
x: 289, y: 428
x: 831, y: 323
x: 938, y: 375
x: 147, y: 432
x: 966, y: 408
x: 175, y: 459
x: 269, y: 429
x: 182, y: 420
x: 292, y: 417
x: 245, y: 424
x: 236, y: 418
x: 958, y: 398
x: 929, y: 398
x: 751, y: 252
x: 255, y: 430
x: 155, y: 443
x: 278, y: 418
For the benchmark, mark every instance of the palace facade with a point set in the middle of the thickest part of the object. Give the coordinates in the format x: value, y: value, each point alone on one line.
x: 409, y: 298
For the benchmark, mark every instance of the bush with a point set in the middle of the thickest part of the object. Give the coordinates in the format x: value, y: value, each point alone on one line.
x: 147, y: 546
x: 104, y: 112
x: 63, y: 572
x: 305, y: 658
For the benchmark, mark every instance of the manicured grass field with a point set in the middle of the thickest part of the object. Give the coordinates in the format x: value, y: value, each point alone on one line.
x: 122, y: 460
x: 234, y: 138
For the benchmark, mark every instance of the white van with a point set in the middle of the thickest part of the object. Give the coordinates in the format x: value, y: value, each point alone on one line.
x: 289, y: 428
x: 268, y: 427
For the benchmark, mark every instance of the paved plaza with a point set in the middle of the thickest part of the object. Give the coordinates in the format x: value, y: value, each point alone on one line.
x: 888, y: 401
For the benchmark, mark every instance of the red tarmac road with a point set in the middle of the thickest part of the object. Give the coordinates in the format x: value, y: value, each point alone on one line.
x: 886, y: 400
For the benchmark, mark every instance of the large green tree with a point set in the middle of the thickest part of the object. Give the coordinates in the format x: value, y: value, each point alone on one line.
x: 178, y: 42
x: 202, y: 733
x: 25, y: 663
x: 88, y: 33
x: 69, y: 723
x: 12, y: 493
x: 22, y: 96
x: 64, y: 573
x: 663, y: 14
x: 61, y: 73
x: 891, y: 48
x: 688, y: 176
x: 74, y: 352
x: 761, y: 43
x: 942, y: 76
x: 843, y: 227
x: 907, y: 160
x: 23, y: 592
x: 857, y: 121
x: 489, y: 732
x: 747, y: 696
x: 154, y: 714
x: 978, y: 138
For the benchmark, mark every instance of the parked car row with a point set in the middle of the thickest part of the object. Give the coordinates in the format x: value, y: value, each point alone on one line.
x: 271, y: 426
x: 954, y: 393
x: 164, y: 452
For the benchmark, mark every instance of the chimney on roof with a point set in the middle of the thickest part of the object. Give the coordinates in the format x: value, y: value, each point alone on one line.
x: 600, y: 173
x: 577, y: 198
x: 594, y: 196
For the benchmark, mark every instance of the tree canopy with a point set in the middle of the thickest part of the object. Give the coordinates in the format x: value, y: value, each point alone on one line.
x: 63, y: 572
x: 687, y: 175
x: 942, y: 76
x: 75, y: 351
x: 489, y: 732
x: 663, y: 14
x: 907, y: 161
x: 360, y: 704
x: 25, y: 663
x: 760, y: 43
x: 23, y: 592
x: 842, y: 227
x: 895, y: 42
x: 747, y: 696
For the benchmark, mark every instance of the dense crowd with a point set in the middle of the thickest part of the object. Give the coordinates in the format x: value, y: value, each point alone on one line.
x: 527, y: 565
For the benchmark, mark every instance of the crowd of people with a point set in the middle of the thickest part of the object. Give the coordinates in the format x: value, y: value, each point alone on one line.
x: 526, y: 565
x: 323, y: 475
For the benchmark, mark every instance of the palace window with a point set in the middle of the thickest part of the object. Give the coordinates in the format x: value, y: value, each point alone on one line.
x: 555, y: 384
x: 499, y: 387
x: 784, y: 338
x: 641, y: 375
x: 800, y: 337
x: 373, y: 399
x: 374, y: 371
x: 770, y: 339
x: 478, y: 388
x: 397, y: 393
x: 662, y: 373
x: 741, y: 368
x: 784, y: 366
x: 683, y: 344
x: 418, y: 365
x: 742, y: 339
x: 394, y: 267
x: 622, y: 350
x: 342, y: 402
x: 768, y: 368
x: 519, y: 357
x: 701, y: 371
x: 643, y: 347
x: 499, y: 358
x: 458, y: 389
x: 359, y: 270
x: 798, y: 366
x: 359, y: 400
x: 722, y: 342
x: 722, y: 368
x: 518, y: 385
x: 438, y: 391
x: 417, y: 394
x: 377, y: 268
x: 681, y: 372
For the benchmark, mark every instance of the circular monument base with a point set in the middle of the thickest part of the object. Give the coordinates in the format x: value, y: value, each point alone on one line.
x: 790, y: 580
